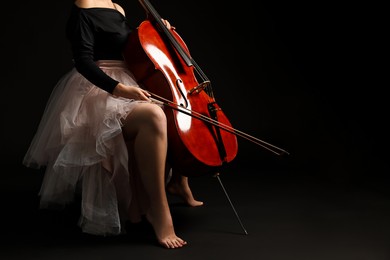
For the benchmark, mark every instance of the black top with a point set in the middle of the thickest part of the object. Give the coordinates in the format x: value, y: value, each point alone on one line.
x: 96, y: 33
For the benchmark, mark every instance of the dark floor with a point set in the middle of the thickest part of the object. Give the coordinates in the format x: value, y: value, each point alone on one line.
x: 286, y: 216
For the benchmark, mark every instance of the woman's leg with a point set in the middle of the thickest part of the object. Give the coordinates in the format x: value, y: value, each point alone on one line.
x: 146, y: 128
x: 178, y: 185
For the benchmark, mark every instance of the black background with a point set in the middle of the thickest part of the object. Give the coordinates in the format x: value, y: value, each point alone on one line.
x: 308, y: 77
x: 302, y: 76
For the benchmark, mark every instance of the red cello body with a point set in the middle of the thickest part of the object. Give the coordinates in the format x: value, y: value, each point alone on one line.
x: 194, y: 146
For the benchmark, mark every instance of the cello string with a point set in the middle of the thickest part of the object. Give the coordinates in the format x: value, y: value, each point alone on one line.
x: 182, y: 51
x: 190, y: 62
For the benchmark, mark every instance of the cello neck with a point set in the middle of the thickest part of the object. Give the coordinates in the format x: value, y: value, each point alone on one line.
x: 151, y: 12
x: 157, y: 18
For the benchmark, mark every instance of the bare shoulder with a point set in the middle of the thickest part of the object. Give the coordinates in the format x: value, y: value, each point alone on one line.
x: 84, y: 3
x: 119, y: 8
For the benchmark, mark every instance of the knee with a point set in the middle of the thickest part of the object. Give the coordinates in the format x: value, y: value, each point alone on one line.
x: 155, y: 119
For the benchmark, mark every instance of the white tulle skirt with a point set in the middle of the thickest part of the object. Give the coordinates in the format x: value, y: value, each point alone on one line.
x: 79, y: 141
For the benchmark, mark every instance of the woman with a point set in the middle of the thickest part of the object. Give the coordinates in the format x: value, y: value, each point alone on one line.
x: 101, y: 135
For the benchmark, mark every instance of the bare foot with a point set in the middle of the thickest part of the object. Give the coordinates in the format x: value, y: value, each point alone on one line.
x: 182, y: 189
x: 163, y: 228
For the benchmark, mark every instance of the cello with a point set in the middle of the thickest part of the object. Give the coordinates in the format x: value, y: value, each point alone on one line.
x: 201, y: 139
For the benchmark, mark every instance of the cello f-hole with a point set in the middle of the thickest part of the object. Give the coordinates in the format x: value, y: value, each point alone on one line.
x: 179, y: 84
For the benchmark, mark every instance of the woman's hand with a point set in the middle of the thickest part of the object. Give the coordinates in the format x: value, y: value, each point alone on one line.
x: 167, y: 24
x: 131, y: 92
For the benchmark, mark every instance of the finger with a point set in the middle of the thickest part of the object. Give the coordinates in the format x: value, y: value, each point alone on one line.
x: 142, y: 96
x: 167, y: 24
x: 146, y: 93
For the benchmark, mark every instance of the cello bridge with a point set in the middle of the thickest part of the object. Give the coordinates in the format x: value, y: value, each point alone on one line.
x: 199, y: 88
